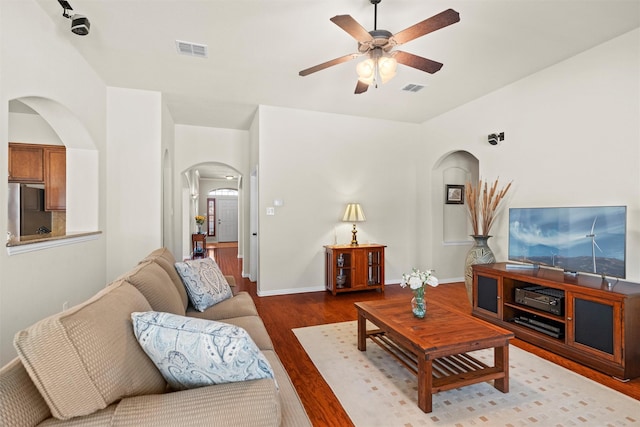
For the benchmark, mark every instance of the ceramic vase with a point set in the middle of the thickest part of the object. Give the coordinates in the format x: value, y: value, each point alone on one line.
x: 480, y: 253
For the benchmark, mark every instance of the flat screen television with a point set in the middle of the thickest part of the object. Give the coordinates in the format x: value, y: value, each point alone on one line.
x: 576, y: 239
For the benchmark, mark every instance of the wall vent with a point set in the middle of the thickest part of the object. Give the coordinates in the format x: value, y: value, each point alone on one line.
x: 413, y: 87
x: 191, y: 49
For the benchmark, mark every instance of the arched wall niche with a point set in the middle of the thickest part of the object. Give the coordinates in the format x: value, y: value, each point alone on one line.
x: 450, y: 221
x: 82, y: 162
x: 457, y: 168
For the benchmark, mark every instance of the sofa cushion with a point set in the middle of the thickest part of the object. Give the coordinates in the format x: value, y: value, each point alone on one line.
x: 20, y: 402
x: 253, y: 325
x: 193, y: 353
x: 239, y: 305
x: 246, y: 404
x: 156, y: 286
x: 293, y: 412
x: 165, y: 259
x: 85, y: 358
x: 204, y: 281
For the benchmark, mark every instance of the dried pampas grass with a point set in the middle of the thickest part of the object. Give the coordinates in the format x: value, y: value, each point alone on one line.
x: 482, y: 204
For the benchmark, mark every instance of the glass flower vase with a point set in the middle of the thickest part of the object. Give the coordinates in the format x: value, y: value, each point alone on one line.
x: 419, y: 305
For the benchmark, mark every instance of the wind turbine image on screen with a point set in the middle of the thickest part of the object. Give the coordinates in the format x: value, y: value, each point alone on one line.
x: 594, y: 245
x: 580, y: 239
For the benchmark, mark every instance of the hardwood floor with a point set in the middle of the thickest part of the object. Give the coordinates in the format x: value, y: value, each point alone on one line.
x: 283, y: 313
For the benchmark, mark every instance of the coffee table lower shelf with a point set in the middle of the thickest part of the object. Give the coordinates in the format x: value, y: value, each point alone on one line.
x: 448, y: 372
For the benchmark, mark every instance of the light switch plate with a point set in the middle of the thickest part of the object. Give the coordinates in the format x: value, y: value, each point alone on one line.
x: 271, y: 211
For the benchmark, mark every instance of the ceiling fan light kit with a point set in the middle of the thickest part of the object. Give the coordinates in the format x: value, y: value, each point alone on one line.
x: 377, y: 45
x: 378, y: 67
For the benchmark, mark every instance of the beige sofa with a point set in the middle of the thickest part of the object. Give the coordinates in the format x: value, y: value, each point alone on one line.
x: 84, y: 366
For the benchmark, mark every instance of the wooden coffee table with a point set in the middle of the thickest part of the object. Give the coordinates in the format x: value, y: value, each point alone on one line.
x: 435, y: 348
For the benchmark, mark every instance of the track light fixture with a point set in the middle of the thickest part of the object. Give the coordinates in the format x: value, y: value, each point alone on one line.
x: 79, y: 23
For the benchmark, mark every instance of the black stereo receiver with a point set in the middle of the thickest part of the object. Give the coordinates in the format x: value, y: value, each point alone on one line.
x: 549, y: 300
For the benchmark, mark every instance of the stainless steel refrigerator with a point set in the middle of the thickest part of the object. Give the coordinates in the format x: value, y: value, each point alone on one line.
x: 26, y: 211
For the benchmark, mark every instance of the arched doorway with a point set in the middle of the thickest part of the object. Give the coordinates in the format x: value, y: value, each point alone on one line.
x: 198, y: 181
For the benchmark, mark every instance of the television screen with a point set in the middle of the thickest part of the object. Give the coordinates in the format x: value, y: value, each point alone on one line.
x: 576, y: 239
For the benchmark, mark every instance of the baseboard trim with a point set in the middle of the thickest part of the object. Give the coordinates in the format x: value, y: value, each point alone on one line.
x: 290, y: 291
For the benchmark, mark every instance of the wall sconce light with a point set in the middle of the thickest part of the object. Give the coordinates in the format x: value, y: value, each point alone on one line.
x: 354, y: 213
x: 495, y: 137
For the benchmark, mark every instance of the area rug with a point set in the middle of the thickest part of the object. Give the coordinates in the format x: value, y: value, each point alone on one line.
x: 375, y: 390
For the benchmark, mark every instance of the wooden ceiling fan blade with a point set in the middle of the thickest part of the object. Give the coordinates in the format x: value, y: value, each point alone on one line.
x: 417, y: 62
x: 427, y: 26
x: 361, y: 87
x: 351, y: 26
x: 328, y: 64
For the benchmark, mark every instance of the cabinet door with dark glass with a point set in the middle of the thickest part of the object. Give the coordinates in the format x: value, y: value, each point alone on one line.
x: 375, y: 266
x: 487, y: 292
x: 594, y: 326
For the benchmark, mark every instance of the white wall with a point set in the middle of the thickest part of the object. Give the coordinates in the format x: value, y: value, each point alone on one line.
x: 317, y: 163
x: 41, y: 62
x: 572, y: 138
x: 134, y: 170
x: 31, y: 129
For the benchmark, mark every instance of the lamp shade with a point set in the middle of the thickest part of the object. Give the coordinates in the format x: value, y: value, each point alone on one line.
x: 353, y: 213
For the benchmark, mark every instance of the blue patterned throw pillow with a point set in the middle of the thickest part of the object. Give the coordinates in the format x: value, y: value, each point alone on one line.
x: 205, y: 283
x: 191, y: 352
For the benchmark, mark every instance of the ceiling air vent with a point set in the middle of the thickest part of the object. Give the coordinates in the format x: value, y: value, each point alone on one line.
x: 192, y: 49
x: 413, y: 87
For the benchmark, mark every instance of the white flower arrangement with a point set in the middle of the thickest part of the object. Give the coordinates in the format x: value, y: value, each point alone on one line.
x: 417, y: 280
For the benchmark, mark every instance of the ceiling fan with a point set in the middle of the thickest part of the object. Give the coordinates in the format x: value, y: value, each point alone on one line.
x: 378, y: 45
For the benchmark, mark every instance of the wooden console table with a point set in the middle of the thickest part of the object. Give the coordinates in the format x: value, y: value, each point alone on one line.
x: 198, y: 244
x: 354, y: 267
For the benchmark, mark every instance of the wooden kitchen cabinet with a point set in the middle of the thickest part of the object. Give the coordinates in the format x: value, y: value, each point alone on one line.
x: 41, y: 164
x: 55, y: 178
x: 354, y: 267
x: 26, y: 163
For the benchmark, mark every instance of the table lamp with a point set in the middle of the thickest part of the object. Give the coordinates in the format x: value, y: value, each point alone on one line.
x: 353, y: 214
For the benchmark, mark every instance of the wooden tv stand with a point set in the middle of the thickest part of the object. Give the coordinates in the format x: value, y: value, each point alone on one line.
x: 596, y: 321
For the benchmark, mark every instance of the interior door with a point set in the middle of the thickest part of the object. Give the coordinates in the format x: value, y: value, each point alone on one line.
x: 227, y: 217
